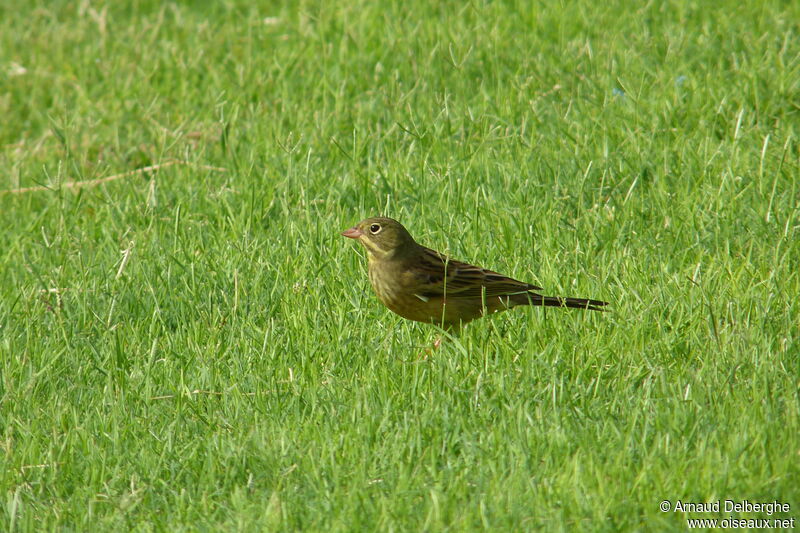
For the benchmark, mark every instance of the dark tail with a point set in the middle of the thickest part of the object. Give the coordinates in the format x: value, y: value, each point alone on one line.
x: 574, y: 303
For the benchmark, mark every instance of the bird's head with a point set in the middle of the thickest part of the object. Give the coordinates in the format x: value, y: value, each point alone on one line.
x: 383, y: 237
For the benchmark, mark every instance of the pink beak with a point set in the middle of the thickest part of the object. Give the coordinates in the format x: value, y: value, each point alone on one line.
x: 353, y: 233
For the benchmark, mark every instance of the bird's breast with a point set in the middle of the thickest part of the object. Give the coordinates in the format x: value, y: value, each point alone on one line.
x: 396, y: 292
x: 386, y: 283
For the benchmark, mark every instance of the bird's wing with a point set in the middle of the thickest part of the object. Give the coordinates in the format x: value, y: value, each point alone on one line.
x: 436, y: 275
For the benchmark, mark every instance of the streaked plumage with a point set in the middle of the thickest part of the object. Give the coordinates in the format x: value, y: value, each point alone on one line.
x: 424, y: 285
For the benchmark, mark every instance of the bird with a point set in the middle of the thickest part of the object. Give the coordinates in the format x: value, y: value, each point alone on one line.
x: 424, y: 285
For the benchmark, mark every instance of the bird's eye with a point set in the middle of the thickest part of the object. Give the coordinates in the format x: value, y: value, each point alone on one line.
x: 375, y: 228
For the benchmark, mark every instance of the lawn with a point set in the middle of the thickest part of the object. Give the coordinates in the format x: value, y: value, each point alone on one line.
x: 188, y: 343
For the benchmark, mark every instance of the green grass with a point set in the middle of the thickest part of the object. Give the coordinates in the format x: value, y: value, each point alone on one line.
x: 235, y: 372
